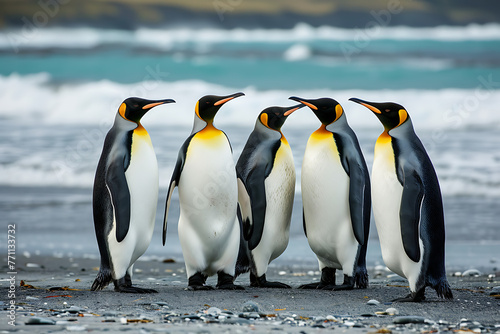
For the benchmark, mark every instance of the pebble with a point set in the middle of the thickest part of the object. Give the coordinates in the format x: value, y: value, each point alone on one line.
x: 409, y: 319
x: 495, y: 290
x: 40, y: 321
x: 471, y: 272
x: 250, y: 306
x: 392, y: 311
x: 373, y: 302
x: 213, y: 311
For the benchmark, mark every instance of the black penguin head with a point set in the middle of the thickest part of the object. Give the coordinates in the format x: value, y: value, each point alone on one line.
x: 133, y: 108
x: 208, y: 105
x: 274, y: 117
x: 390, y: 114
x: 327, y: 110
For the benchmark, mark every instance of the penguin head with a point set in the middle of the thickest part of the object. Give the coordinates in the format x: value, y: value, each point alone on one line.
x: 274, y: 117
x: 327, y: 110
x: 390, y: 114
x: 208, y: 105
x: 133, y: 108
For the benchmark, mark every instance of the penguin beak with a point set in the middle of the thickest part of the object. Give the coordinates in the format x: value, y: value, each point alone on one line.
x: 304, y: 102
x: 228, y: 98
x: 369, y: 105
x: 157, y: 103
x: 290, y: 110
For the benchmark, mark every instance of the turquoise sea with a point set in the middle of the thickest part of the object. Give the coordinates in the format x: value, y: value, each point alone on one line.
x: 60, y: 88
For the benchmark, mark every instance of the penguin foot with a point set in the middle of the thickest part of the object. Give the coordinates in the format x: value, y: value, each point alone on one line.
x: 197, y: 282
x: 200, y: 287
x: 261, y: 282
x: 347, y: 285
x: 310, y: 286
x: 414, y: 297
x: 225, y: 282
x: 134, y: 289
x: 317, y: 285
x: 124, y: 285
x: 327, y: 281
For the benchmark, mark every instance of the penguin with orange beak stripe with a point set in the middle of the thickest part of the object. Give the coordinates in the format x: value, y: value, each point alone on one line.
x: 336, y: 198
x: 266, y: 189
x: 407, y: 204
x: 125, y: 196
x: 208, y: 195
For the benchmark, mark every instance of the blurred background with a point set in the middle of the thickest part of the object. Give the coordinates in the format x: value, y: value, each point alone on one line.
x: 65, y: 67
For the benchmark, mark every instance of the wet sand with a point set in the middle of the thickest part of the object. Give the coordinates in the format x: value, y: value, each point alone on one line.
x: 56, y: 290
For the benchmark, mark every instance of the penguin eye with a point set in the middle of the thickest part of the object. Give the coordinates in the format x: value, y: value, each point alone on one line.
x: 387, y: 110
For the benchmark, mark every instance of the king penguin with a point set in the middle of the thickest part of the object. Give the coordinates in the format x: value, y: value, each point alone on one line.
x: 208, y: 195
x: 336, y: 198
x: 407, y: 204
x: 125, y: 196
x: 266, y: 188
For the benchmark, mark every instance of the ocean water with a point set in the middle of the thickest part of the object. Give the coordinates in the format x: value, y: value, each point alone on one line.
x: 60, y: 89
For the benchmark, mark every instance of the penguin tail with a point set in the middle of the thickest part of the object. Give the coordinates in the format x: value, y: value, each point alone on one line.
x: 443, y: 289
x: 102, y: 280
x: 361, y: 278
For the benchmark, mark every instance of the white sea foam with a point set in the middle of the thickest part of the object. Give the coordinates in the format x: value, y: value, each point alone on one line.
x: 87, y: 110
x: 164, y: 39
x: 34, y: 97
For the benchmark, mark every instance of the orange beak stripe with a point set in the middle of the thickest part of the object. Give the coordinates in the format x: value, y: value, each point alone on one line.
x: 310, y: 105
x: 288, y: 112
x: 372, y: 108
x: 223, y: 101
x: 151, y: 105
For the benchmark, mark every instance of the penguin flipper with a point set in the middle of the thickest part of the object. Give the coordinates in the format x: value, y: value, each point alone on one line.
x: 174, y: 182
x: 409, y: 213
x: 257, y: 193
x: 245, y: 210
x: 359, y: 194
x: 116, y: 183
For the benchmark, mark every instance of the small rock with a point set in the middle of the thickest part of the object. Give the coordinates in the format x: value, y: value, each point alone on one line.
x: 40, y: 321
x: 373, y: 302
x: 168, y: 261
x: 249, y: 315
x: 471, y: 272
x: 410, y: 319
x: 213, y: 311
x: 392, y: 311
x: 457, y: 274
x: 236, y: 321
x: 31, y: 298
x: 495, y: 291
x: 76, y: 328
x: 250, y: 306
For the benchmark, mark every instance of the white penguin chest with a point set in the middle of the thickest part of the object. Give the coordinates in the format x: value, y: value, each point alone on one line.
x: 208, y: 187
x: 142, y: 179
x: 280, y: 192
x: 325, y: 197
x: 386, y: 198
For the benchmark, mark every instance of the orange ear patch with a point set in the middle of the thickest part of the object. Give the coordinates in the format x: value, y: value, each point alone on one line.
x: 121, y: 111
x: 403, y: 116
x: 338, y: 111
x: 264, y: 119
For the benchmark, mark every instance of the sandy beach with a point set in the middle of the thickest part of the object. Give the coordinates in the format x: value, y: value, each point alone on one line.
x: 55, y: 291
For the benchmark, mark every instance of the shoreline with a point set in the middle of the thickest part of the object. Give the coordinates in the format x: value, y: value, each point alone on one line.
x: 56, y: 290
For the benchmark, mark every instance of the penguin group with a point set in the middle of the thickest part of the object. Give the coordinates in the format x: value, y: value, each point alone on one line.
x: 235, y: 218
